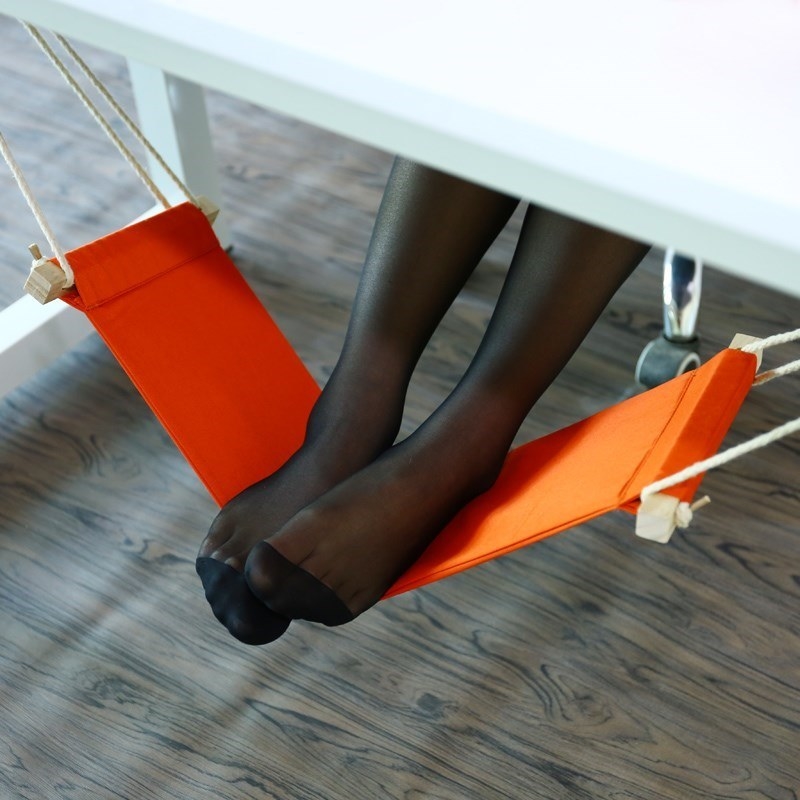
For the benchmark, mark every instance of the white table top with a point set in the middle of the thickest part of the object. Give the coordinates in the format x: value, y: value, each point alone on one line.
x: 676, y: 121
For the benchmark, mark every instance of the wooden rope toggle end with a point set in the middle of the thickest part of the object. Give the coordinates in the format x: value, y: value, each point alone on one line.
x: 210, y: 209
x: 659, y: 514
x: 46, y: 280
x: 742, y: 340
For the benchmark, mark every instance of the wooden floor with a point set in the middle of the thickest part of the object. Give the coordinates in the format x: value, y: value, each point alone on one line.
x: 592, y: 665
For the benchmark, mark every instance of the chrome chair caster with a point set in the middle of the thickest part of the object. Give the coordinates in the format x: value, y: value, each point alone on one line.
x: 676, y: 350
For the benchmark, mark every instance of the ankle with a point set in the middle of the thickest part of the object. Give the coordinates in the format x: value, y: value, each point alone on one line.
x: 462, y: 461
x: 365, y: 407
x: 474, y: 434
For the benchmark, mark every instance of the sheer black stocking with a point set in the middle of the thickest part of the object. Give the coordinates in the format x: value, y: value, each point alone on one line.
x: 338, y: 555
x: 431, y: 231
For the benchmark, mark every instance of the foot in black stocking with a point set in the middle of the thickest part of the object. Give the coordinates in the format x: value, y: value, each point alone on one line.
x: 431, y: 231
x: 330, y: 454
x: 235, y: 606
x: 338, y: 556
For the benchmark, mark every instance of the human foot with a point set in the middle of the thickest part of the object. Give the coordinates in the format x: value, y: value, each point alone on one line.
x: 339, y: 555
x: 337, y: 445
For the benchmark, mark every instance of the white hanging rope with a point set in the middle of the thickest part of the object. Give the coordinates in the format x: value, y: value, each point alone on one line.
x: 122, y: 114
x: 718, y: 460
x: 771, y: 341
x: 16, y: 171
x: 777, y: 372
x: 98, y: 116
x: 107, y: 129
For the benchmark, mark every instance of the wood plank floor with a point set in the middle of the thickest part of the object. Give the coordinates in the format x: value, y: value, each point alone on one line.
x: 589, y: 666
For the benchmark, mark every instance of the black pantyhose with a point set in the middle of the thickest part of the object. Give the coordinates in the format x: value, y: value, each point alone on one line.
x: 430, y: 233
x: 338, y: 555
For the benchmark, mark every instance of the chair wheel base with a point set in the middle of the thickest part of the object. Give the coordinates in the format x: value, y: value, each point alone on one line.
x: 662, y: 360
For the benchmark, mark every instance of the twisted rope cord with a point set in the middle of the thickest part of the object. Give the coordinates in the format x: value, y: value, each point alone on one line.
x: 98, y: 116
x: 16, y: 171
x: 121, y: 113
x: 771, y: 341
x: 770, y: 374
x: 788, y: 428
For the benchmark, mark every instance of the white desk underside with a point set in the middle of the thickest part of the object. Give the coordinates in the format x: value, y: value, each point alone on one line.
x: 674, y: 122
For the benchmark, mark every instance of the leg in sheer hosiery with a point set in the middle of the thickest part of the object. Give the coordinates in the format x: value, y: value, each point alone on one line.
x: 431, y: 231
x: 339, y: 554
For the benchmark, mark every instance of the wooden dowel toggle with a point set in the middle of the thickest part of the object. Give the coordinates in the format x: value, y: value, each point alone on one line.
x: 209, y: 208
x: 46, y: 280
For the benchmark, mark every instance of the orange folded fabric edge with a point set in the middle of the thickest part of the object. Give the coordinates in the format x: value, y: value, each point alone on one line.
x: 199, y: 346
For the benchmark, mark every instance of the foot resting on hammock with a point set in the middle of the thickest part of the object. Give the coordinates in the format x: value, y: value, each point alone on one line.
x: 339, y: 442
x: 338, y: 556
x: 326, y: 536
x: 429, y: 232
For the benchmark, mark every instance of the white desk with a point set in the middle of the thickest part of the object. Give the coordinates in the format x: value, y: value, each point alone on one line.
x: 673, y: 121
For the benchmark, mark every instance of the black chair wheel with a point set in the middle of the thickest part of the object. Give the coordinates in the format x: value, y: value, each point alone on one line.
x: 662, y: 360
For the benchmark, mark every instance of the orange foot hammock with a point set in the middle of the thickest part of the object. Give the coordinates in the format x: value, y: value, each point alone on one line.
x: 234, y: 396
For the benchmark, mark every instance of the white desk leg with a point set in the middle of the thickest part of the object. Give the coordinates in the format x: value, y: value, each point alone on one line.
x: 172, y: 114
x: 32, y: 336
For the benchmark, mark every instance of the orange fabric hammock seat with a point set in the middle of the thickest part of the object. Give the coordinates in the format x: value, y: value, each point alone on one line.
x: 234, y: 396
